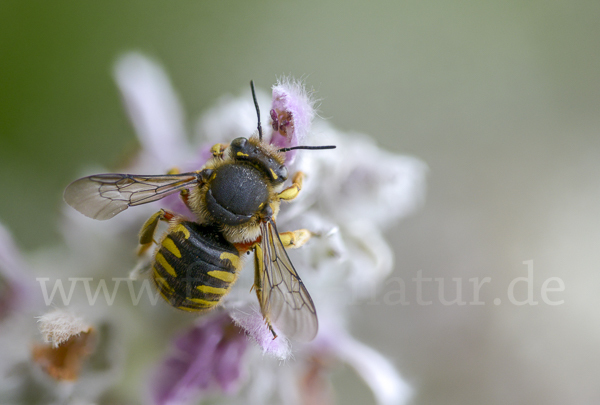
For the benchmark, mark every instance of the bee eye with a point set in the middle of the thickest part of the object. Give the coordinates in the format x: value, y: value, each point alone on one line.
x: 283, y: 172
x: 239, y: 143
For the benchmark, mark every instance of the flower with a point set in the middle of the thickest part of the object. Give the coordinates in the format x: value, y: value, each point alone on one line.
x: 69, y: 341
x: 292, y: 112
x: 208, y: 354
x: 349, y: 197
x: 59, y: 326
x: 338, y: 189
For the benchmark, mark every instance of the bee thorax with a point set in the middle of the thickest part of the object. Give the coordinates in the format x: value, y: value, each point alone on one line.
x: 236, y: 193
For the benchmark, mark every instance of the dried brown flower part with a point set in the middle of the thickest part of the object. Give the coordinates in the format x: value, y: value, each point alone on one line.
x: 64, y: 362
x: 69, y: 340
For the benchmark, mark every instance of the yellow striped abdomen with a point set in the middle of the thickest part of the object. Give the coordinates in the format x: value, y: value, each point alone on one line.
x: 195, y: 266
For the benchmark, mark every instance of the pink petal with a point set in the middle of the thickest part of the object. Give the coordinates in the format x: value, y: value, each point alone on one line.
x: 228, y: 359
x: 250, y: 319
x: 291, y: 113
x: 207, y: 356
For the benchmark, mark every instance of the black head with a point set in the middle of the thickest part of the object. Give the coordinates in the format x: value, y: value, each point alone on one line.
x: 250, y: 151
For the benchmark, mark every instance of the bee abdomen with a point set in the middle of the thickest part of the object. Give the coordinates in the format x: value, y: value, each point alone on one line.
x: 195, y: 266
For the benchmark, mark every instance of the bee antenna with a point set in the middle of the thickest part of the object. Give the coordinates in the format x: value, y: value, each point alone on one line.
x: 307, y: 147
x: 259, y: 127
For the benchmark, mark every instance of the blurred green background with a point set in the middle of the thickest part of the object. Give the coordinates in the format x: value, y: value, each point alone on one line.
x: 500, y: 98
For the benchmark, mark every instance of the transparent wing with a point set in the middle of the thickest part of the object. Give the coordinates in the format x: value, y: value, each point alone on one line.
x: 285, y: 302
x: 102, y: 196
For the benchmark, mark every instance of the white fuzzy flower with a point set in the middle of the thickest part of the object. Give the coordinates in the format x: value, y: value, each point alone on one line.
x: 59, y: 326
x: 349, y: 197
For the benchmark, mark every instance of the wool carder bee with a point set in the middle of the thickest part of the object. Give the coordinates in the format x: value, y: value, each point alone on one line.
x: 235, y: 198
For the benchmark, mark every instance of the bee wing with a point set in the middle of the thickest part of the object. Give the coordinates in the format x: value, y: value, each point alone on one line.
x: 102, y: 196
x: 285, y: 302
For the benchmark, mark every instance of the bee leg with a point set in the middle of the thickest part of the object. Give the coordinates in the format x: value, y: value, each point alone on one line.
x: 258, y: 266
x: 184, y: 195
x: 204, y: 176
x: 218, y: 149
x: 295, y: 239
x: 272, y: 331
x: 149, y: 228
x: 292, y: 191
x: 258, y: 269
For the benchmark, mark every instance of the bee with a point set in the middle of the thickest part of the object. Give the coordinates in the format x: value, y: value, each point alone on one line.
x: 235, y: 198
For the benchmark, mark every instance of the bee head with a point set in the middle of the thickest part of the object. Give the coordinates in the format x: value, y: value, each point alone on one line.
x: 253, y: 152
